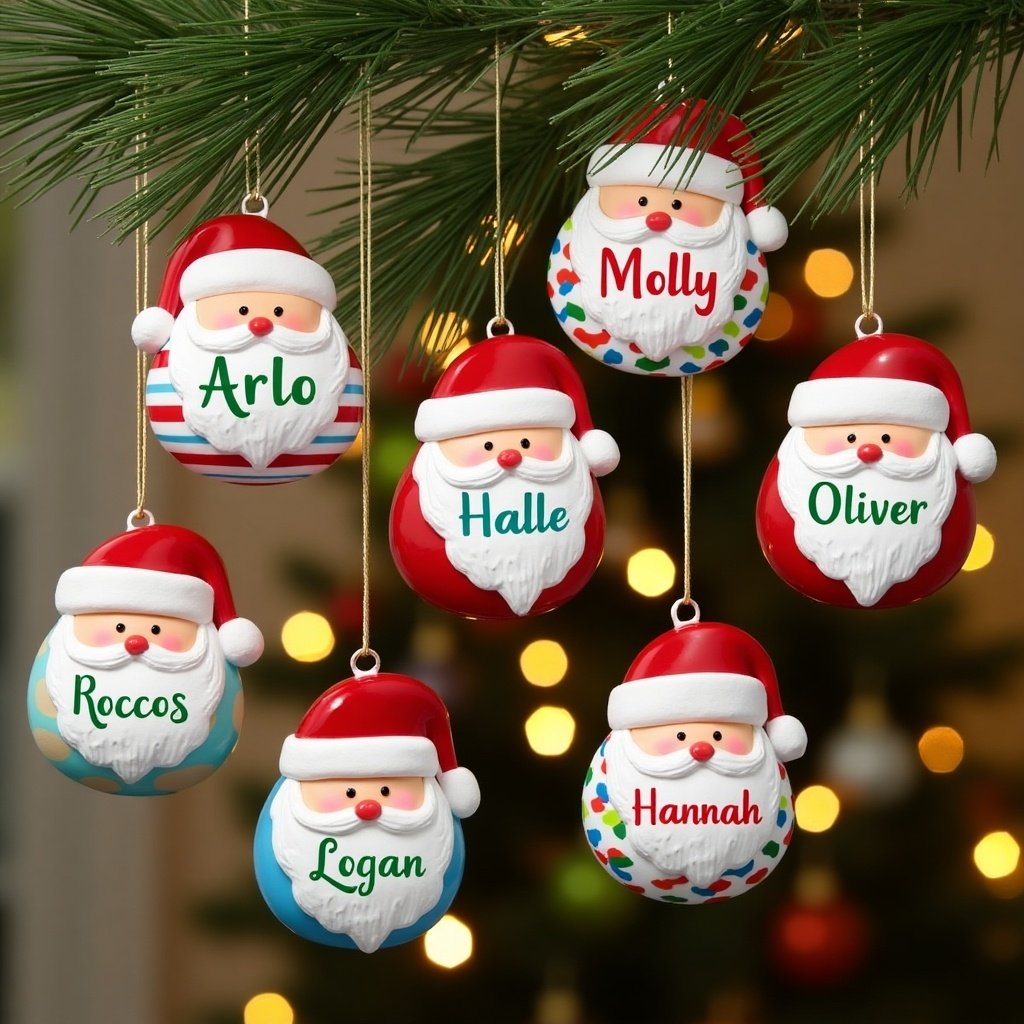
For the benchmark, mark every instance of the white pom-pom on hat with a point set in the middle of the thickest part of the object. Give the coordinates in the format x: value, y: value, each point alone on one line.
x: 151, y: 329
x: 240, y: 641
x: 975, y: 457
x: 600, y: 451
x: 768, y: 228
x: 788, y: 737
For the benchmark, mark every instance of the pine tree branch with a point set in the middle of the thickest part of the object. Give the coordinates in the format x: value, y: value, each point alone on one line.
x: 74, y: 72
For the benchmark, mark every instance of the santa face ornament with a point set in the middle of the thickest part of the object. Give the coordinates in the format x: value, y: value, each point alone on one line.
x: 688, y: 800
x: 136, y: 689
x: 253, y: 380
x: 868, y: 503
x: 499, y: 514
x: 655, y: 276
x: 359, y: 843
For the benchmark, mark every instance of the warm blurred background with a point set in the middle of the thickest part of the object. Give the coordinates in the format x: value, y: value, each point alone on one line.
x: 901, y: 898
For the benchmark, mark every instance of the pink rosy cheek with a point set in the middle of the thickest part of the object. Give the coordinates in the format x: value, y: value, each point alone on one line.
x: 294, y: 322
x: 666, y: 745
x: 101, y: 638
x: 332, y: 802
x: 689, y: 216
x: 831, y: 447
x: 625, y: 210
x: 169, y: 642
x: 222, y: 320
x: 904, y: 448
x: 734, y: 745
x: 541, y: 451
x: 403, y: 800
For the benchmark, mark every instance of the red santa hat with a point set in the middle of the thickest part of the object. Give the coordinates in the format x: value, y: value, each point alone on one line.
x: 706, y: 672
x: 380, y: 725
x: 728, y: 169
x: 514, y: 381
x: 233, y: 253
x: 894, y: 378
x: 161, y: 570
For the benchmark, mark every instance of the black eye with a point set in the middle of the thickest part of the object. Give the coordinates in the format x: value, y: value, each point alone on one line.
x: 350, y: 792
x: 677, y: 204
x: 642, y: 201
x: 243, y: 310
x: 488, y: 446
x: 716, y: 735
x: 155, y: 630
x: 385, y: 791
x: 120, y: 627
x: 886, y: 438
x: 851, y: 438
x: 525, y: 443
x: 279, y: 311
x: 680, y: 735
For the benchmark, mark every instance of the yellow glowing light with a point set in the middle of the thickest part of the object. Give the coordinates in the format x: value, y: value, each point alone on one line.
x: 544, y: 662
x: 440, y: 330
x: 565, y: 36
x: 777, y: 318
x: 307, y: 636
x: 650, y: 572
x: 452, y: 354
x: 997, y: 855
x: 828, y: 273
x: 268, y: 1008
x: 982, y: 550
x: 816, y: 808
x: 354, y: 452
x: 550, y: 730
x: 449, y: 943
x: 941, y: 749
x: 510, y: 236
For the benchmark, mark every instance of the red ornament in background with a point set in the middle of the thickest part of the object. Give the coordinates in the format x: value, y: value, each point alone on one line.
x: 499, y: 515
x: 868, y: 502
x: 820, y: 939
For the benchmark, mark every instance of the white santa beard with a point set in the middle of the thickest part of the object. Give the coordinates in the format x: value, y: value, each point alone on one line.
x: 699, y: 851
x: 658, y: 324
x: 393, y: 902
x: 867, y: 557
x: 132, y: 747
x: 269, y: 430
x: 517, y: 566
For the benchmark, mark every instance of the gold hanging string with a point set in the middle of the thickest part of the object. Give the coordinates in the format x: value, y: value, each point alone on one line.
x: 365, y: 306
x: 866, y: 204
x: 253, y: 171
x: 141, y: 302
x: 687, y: 432
x: 499, y: 239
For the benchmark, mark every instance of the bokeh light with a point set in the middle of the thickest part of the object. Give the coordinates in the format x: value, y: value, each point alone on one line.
x: 816, y: 808
x: 565, y: 36
x: 550, y: 731
x: 651, y: 572
x: 828, y: 273
x: 777, y: 318
x: 982, y: 550
x: 997, y: 855
x: 441, y: 331
x: 307, y: 636
x: 449, y: 943
x: 268, y: 1008
x: 544, y: 662
x: 941, y: 749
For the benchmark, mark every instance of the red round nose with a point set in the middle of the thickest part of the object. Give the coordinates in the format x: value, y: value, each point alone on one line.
x: 136, y: 644
x: 260, y: 325
x: 701, y: 751
x: 659, y: 220
x: 510, y: 458
x: 368, y: 810
x: 869, y: 453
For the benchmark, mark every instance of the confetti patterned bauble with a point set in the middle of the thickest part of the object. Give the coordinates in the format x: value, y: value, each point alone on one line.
x: 660, y: 269
x: 359, y: 844
x: 136, y: 691
x: 868, y: 503
x: 687, y: 800
x: 253, y: 380
x: 499, y: 515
